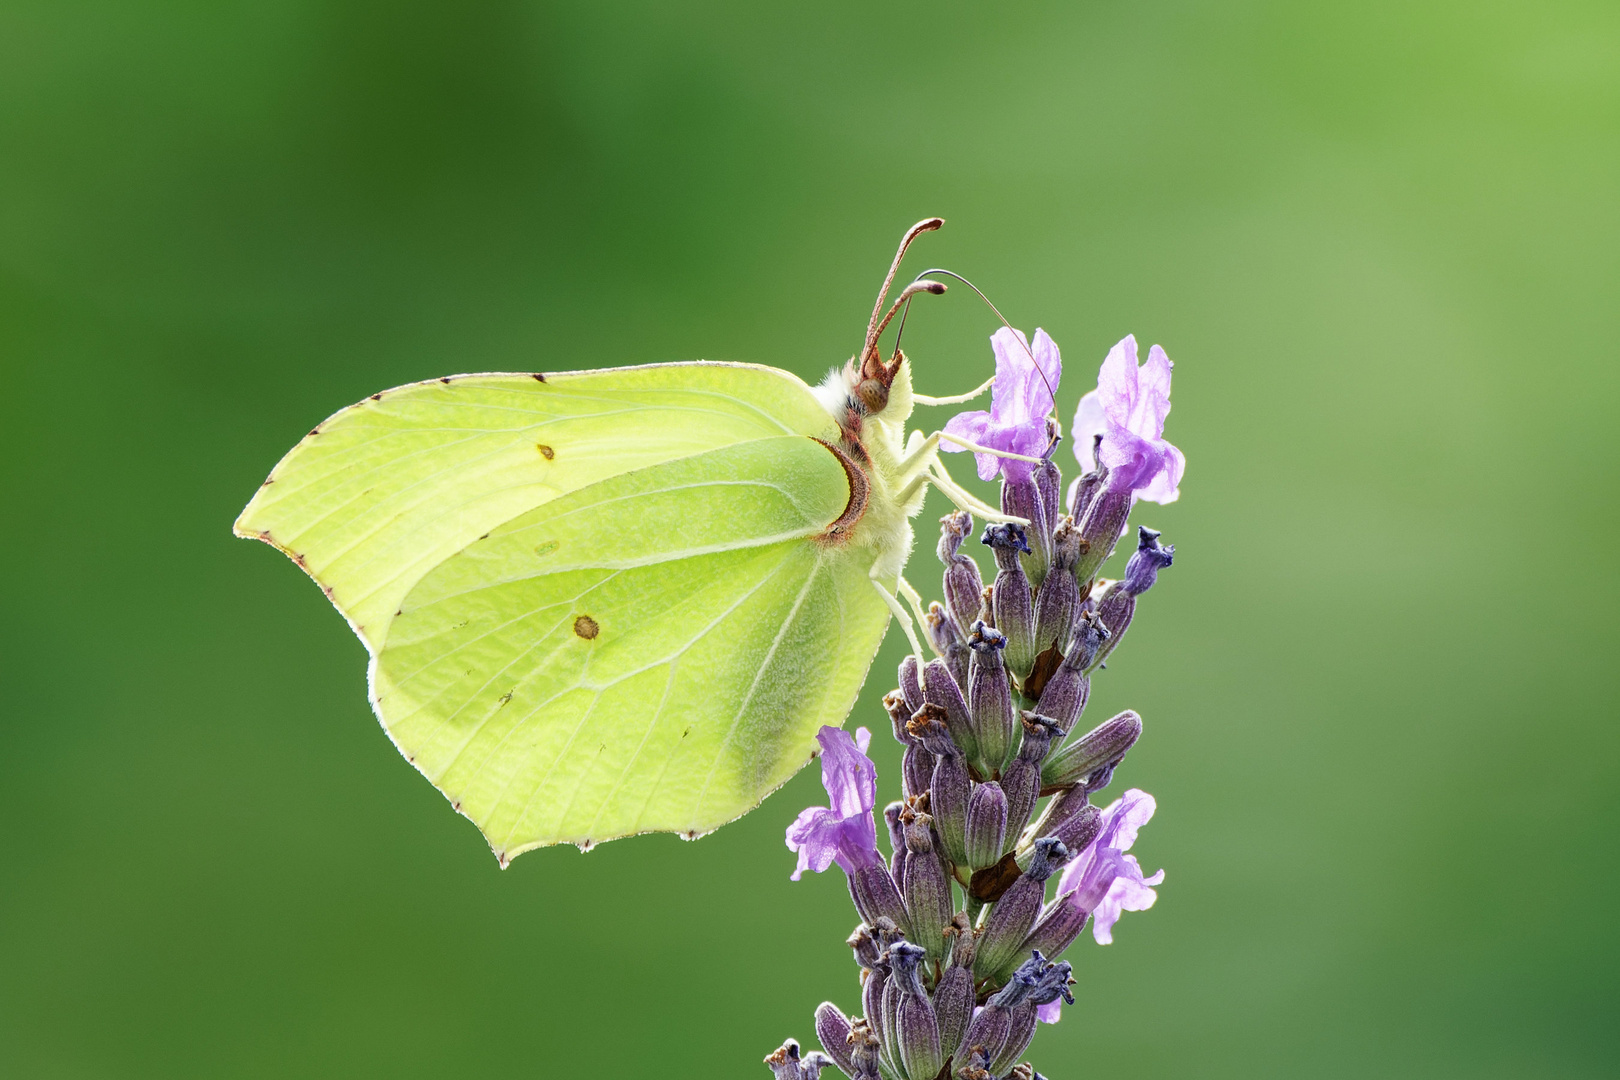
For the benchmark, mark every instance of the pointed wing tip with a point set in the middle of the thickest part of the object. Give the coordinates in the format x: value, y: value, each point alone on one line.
x: 248, y: 529
x: 244, y: 525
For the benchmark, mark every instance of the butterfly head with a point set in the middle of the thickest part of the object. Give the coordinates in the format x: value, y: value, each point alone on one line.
x: 869, y: 385
x: 858, y: 394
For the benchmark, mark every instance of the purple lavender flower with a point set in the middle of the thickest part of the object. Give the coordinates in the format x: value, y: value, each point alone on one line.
x: 1128, y: 409
x: 845, y: 832
x: 1106, y: 881
x: 1019, y: 403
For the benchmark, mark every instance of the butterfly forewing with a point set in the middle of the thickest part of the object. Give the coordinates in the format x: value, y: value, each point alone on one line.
x: 384, y: 491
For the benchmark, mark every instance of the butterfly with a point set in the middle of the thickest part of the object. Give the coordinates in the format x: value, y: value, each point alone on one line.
x: 611, y: 602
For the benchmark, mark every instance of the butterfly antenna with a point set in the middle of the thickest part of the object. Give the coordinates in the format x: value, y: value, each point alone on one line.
x: 951, y: 273
x: 933, y: 288
x: 900, y: 331
x: 872, y: 327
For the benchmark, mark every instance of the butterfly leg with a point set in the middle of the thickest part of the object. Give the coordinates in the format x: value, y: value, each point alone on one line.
x: 901, y: 616
x: 920, y: 455
x: 912, y: 597
x: 954, y: 399
x: 960, y: 496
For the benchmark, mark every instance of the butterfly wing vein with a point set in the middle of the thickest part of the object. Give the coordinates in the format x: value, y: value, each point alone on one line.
x: 652, y: 653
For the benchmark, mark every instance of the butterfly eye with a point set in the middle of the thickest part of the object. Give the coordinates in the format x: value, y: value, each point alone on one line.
x: 873, y: 394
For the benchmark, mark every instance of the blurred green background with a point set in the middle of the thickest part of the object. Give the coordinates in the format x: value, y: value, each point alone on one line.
x: 1381, y: 239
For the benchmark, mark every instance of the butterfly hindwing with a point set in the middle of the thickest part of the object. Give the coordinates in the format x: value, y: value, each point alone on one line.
x: 653, y: 652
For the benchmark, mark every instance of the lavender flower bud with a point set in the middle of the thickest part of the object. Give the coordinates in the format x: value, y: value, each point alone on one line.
x: 953, y: 1009
x: 1064, y: 697
x: 1005, y: 540
x: 943, y: 691
x: 986, y: 1035
x: 916, y: 768
x: 1015, y: 913
x: 1069, y: 818
x: 910, y: 688
x: 945, y: 634
x: 955, y: 995
x: 1011, y: 603
x: 928, y: 728
x: 897, y: 839
x: 863, y: 1051
x: 928, y: 893
x: 986, y: 827
x: 1089, y: 604
x: 918, y: 827
x: 872, y: 992
x: 978, y: 1060
x: 964, y: 940
x: 904, y: 968
x: 1100, y: 529
x: 1039, y: 734
x: 1100, y: 749
x: 1022, y: 498
x: 1115, y: 609
x: 915, y: 1028
x: 1022, y: 780
x: 1053, y: 980
x: 1150, y: 557
x: 786, y: 1063
x: 963, y: 584
x: 1086, y: 487
x: 950, y: 786
x: 1117, y: 604
x: 867, y: 950
x: 1037, y: 982
x: 1020, y: 1033
x: 1049, y: 482
x: 990, y: 698
x: 891, y: 1026
x: 894, y: 703
x: 810, y: 1068
x: 833, y: 1031
x: 1056, y: 599
x: 1057, y: 927
x: 876, y: 896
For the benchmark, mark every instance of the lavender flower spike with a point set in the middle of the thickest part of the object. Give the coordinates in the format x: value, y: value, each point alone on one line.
x: 843, y: 832
x: 1019, y: 403
x: 1128, y: 409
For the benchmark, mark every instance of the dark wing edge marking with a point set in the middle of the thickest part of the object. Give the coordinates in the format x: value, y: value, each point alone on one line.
x: 860, y: 492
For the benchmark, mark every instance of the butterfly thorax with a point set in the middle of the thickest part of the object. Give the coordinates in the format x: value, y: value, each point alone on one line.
x: 871, y: 408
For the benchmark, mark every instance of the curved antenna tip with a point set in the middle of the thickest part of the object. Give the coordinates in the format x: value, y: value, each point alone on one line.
x: 925, y: 225
x: 952, y: 273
